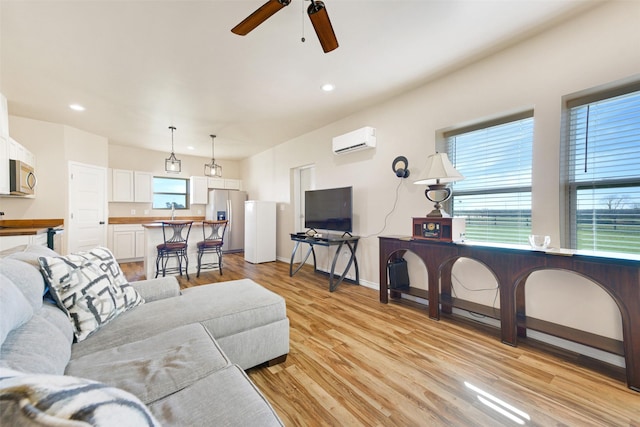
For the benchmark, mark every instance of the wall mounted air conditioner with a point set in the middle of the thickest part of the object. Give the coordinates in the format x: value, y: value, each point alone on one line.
x: 360, y: 139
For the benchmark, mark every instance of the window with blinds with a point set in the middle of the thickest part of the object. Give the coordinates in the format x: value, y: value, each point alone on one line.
x: 495, y: 196
x: 603, y: 171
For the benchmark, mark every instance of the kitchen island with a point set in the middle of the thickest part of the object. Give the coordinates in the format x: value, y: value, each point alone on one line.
x: 153, y: 237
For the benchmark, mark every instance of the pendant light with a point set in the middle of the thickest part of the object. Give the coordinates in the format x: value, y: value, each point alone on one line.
x: 172, y: 164
x: 212, y: 169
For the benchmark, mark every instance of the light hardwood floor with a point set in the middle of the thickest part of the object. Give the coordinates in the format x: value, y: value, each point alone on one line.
x: 356, y: 362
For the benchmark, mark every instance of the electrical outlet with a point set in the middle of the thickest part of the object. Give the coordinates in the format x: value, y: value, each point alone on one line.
x: 146, y: 211
x: 133, y: 211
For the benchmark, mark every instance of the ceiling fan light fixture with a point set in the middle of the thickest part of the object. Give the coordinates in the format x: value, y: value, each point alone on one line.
x: 322, y: 25
x: 317, y: 14
x: 263, y: 13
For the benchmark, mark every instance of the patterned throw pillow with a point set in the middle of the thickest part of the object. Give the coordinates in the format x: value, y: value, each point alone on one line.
x: 90, y: 287
x: 57, y: 400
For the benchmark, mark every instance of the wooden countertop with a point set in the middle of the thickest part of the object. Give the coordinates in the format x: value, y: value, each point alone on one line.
x: 27, y: 227
x: 19, y: 231
x: 149, y: 219
x: 158, y: 224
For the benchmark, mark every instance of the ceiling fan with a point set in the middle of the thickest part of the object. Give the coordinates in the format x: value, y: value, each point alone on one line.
x: 316, y: 11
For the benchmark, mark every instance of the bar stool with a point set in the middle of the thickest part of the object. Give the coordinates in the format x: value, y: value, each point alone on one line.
x: 213, y: 232
x: 174, y: 246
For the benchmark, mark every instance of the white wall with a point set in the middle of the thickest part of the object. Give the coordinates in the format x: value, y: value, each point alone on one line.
x: 595, y: 48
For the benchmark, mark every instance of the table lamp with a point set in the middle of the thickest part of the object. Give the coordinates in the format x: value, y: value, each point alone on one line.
x: 437, y: 174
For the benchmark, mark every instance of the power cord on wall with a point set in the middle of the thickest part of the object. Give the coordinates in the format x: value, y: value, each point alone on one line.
x: 495, y: 297
x: 393, y: 208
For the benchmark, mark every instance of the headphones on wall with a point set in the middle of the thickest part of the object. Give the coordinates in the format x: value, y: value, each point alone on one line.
x: 403, y: 170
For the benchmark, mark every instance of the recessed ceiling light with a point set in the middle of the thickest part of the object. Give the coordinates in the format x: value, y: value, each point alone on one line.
x: 328, y: 87
x: 76, y: 107
x: 190, y: 147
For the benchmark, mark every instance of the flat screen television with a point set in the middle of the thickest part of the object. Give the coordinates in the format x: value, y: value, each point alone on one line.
x: 329, y: 209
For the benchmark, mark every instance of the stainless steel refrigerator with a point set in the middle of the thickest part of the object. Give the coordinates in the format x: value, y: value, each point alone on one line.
x: 229, y: 205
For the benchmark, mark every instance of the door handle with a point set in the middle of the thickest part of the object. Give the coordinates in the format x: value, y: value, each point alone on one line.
x: 101, y: 223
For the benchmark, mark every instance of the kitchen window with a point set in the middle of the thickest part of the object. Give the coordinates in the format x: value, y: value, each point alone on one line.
x: 170, y: 191
x: 602, y: 171
x: 495, y: 196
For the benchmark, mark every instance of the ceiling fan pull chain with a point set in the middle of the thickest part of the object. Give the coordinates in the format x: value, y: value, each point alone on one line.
x: 302, y: 17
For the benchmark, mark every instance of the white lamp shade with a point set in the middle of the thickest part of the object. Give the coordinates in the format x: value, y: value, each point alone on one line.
x: 439, y: 170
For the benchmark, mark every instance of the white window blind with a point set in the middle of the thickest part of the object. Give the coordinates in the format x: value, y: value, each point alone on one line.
x: 604, y: 173
x: 495, y: 196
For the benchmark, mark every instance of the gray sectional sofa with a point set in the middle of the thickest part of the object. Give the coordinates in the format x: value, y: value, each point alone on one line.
x: 175, y: 358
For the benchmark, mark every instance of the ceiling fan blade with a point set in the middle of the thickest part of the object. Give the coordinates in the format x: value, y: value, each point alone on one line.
x: 263, y: 13
x: 321, y: 23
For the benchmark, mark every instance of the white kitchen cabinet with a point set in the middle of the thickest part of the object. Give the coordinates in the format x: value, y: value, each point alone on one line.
x: 143, y: 187
x: 131, y: 186
x: 122, y: 185
x: 215, y: 182
x: 127, y: 241
x: 8, y: 242
x: 19, y: 152
x: 232, y: 184
x: 140, y: 242
x: 198, y: 190
x: 226, y: 184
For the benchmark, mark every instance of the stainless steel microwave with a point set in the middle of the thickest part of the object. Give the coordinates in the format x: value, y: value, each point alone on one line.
x: 22, y: 178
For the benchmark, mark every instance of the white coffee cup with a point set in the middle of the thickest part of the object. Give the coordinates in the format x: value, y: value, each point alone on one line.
x: 538, y: 241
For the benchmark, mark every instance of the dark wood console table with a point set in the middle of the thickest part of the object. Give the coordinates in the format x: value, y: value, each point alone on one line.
x: 618, y: 275
x: 351, y: 242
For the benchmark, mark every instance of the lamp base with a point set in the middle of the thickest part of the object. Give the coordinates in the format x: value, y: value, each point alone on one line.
x: 438, y: 194
x: 438, y: 213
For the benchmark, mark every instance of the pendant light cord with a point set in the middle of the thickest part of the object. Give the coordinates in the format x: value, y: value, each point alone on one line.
x: 172, y: 129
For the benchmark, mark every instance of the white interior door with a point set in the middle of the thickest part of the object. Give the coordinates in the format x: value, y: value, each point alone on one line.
x: 87, y: 216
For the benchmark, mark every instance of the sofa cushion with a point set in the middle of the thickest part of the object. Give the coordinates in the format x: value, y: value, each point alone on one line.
x: 155, y: 289
x: 14, y: 307
x: 224, y: 308
x: 25, y: 277
x: 41, y: 345
x: 225, y: 398
x: 55, y: 400
x: 90, y: 287
x: 157, y: 366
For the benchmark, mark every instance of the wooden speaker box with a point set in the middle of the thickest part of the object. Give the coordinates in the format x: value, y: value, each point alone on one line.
x: 441, y: 229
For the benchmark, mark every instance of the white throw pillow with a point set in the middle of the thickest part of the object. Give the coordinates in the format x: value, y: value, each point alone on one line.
x: 90, y: 287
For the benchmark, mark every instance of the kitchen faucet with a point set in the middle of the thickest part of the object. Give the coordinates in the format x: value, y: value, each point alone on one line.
x: 173, y: 210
